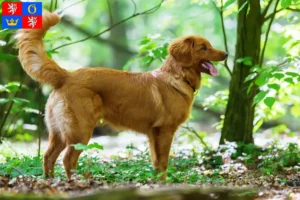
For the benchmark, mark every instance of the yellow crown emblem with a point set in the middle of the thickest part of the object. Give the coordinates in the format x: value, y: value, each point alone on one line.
x: 12, y: 22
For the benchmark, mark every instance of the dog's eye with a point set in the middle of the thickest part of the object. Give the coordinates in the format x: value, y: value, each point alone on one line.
x: 203, y: 48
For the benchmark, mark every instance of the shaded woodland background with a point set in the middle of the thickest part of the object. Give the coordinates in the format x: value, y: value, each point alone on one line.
x: 258, y: 85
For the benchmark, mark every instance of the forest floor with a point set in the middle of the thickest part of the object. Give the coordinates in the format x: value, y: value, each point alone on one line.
x: 249, y: 185
x: 122, y: 170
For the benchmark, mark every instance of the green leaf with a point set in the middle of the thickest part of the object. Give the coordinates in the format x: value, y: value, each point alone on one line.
x: 4, y: 57
x: 260, y: 96
x: 248, y: 10
x: 241, y: 8
x: 157, y: 53
x: 274, y: 86
x: 4, y: 101
x: 83, y: 147
x: 5, y: 32
x: 12, y: 86
x: 245, y: 61
x: 95, y: 145
x: 295, y: 110
x: 228, y: 3
x: 145, y: 40
x: 80, y: 146
x: 128, y: 64
x: 50, y: 53
x: 147, y: 60
x: 269, y: 101
x: 289, y: 80
x: 286, y: 3
x: 261, y: 80
x: 278, y: 75
x: 255, y: 68
x: 249, y: 88
x: 293, y: 74
x: 250, y: 77
x: 19, y: 100
x: 31, y: 110
x: 258, y: 125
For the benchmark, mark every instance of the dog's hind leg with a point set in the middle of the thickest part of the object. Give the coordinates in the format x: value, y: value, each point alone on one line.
x: 85, y: 115
x: 56, y: 146
x: 71, y: 156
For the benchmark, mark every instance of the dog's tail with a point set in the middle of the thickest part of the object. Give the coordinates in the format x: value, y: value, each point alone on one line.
x: 33, y: 56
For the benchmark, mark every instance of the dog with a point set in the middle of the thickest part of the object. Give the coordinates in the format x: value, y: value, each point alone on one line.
x: 154, y: 103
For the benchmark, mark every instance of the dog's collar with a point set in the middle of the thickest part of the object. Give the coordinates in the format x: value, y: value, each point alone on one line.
x: 194, y: 89
x: 155, y: 74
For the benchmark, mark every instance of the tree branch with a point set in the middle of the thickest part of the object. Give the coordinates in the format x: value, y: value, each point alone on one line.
x: 134, y: 4
x: 294, y: 9
x: 149, y: 11
x: 263, y: 14
x: 277, y: 11
x: 73, y: 4
x: 224, y: 33
x: 51, y: 3
x: 267, y: 35
x: 110, y: 12
x: 98, y: 39
x: 192, y: 130
x: 55, y: 6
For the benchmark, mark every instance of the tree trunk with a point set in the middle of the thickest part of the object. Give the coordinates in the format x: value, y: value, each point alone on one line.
x: 118, y: 34
x: 239, y: 116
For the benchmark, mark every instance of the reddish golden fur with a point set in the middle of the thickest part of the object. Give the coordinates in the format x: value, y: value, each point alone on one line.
x: 153, y: 103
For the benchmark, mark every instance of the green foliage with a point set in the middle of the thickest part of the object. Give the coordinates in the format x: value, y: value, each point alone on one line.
x: 205, y: 166
x: 16, y: 166
x: 243, y: 6
x: 287, y: 3
x: 277, y: 159
x: 245, y: 61
x: 260, y: 96
x: 94, y: 145
x: 270, y: 78
x: 273, y: 159
x: 4, y: 57
x: 217, y: 101
x: 275, y: 84
x: 228, y: 3
x: 11, y: 106
x: 151, y: 49
x: 269, y: 101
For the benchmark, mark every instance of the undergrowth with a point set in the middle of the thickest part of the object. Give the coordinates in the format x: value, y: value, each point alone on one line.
x: 183, y: 166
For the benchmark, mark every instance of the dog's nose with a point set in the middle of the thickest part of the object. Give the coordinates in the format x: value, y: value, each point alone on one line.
x: 225, y: 54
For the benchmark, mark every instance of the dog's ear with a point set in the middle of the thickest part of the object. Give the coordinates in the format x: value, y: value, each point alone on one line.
x: 181, y: 50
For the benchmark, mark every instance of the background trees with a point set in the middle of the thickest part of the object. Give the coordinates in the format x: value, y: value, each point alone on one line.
x: 258, y: 87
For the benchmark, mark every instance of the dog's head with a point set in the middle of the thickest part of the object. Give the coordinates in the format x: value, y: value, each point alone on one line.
x: 196, y: 51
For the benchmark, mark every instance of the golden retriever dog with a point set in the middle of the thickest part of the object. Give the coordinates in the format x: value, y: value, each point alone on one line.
x: 153, y: 103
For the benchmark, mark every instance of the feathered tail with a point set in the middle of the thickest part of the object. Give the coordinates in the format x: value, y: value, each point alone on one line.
x: 33, y: 57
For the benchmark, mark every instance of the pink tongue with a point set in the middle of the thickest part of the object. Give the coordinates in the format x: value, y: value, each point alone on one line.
x: 212, y: 69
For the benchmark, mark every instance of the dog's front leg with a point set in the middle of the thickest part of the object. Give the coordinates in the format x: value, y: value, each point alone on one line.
x: 160, y: 140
